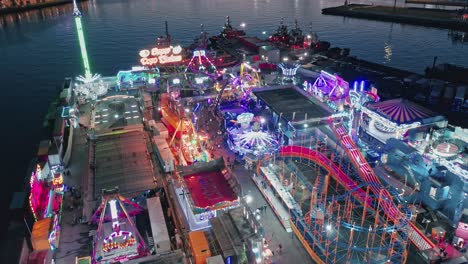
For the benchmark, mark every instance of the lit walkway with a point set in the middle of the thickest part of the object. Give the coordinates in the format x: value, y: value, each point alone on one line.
x: 281, y: 190
x: 75, y: 237
x: 275, y: 233
x: 274, y: 202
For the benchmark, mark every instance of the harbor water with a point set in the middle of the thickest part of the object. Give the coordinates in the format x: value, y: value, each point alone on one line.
x: 39, y: 48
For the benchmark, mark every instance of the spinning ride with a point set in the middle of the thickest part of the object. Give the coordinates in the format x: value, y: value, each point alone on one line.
x: 330, y: 87
x: 247, y: 79
x: 251, y: 139
x: 200, y: 63
x: 117, y: 238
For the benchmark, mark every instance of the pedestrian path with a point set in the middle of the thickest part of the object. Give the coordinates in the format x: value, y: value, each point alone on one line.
x: 284, y: 194
x: 293, y: 251
x: 274, y: 202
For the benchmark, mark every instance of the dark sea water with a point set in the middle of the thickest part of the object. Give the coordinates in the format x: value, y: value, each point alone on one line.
x: 39, y: 48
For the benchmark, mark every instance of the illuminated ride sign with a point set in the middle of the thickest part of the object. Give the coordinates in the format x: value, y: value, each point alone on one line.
x: 160, y: 56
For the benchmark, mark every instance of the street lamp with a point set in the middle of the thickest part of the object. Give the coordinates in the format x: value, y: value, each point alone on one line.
x: 242, y: 25
x: 248, y: 199
x: 426, y: 221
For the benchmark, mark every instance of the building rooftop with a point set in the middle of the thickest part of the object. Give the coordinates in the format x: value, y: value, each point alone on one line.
x: 123, y: 161
x: 115, y: 112
x: 209, y: 188
x: 402, y: 111
x: 293, y: 105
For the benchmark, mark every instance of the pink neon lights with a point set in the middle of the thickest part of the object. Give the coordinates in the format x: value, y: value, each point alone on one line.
x: 39, y: 196
x: 160, y: 55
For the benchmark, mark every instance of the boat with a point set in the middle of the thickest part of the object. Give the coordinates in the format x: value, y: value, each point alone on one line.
x: 219, y: 57
x: 292, y: 39
x: 228, y: 32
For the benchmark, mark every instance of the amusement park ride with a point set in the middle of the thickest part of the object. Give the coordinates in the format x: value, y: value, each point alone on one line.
x: 176, y: 118
x: 88, y: 77
x: 249, y: 137
x: 351, y: 218
x: 372, y: 224
x: 117, y: 238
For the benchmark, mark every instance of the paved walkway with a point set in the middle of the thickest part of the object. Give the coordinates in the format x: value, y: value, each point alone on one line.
x: 275, y: 233
x: 273, y: 201
x: 75, y: 239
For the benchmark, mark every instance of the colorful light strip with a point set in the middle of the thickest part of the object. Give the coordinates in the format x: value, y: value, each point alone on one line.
x: 84, y: 53
x: 113, y: 210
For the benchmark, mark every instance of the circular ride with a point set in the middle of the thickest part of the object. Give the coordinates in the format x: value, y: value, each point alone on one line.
x: 246, y: 136
x: 446, y: 148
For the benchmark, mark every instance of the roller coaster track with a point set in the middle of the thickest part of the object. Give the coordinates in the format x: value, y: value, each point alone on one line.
x: 415, y: 235
x: 368, y: 175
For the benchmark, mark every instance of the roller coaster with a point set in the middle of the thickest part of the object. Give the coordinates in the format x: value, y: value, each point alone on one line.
x: 358, y: 220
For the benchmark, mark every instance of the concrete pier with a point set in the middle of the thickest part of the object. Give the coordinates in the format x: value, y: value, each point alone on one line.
x: 439, y: 2
x: 451, y: 19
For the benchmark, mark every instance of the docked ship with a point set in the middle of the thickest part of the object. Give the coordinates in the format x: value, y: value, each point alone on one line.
x: 219, y: 57
x: 228, y: 32
x: 293, y: 38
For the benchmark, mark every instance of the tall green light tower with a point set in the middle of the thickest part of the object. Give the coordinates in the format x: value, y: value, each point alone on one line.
x: 84, y: 53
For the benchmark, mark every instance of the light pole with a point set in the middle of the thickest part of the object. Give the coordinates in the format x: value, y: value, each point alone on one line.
x: 262, y: 121
x: 426, y: 221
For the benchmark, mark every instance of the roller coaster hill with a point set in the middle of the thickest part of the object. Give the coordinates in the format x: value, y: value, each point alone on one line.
x: 350, y: 217
x: 346, y: 214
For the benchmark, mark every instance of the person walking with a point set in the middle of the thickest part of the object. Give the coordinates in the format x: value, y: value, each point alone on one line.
x: 280, y: 249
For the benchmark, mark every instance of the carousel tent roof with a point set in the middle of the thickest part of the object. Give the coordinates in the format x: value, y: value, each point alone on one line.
x: 402, y: 111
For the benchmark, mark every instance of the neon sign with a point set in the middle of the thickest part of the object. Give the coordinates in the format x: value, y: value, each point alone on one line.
x: 161, y: 55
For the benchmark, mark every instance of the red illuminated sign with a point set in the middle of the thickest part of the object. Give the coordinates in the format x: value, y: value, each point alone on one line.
x: 160, y: 56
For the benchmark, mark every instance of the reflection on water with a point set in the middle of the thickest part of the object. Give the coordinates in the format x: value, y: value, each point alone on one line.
x: 388, y: 46
x: 458, y: 37
x: 388, y: 52
x: 37, y: 15
x: 18, y: 28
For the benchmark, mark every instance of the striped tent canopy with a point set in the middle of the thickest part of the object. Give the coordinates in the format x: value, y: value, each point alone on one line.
x: 401, y: 111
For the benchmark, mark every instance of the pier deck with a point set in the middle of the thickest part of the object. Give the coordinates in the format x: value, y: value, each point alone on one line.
x: 439, y: 2
x: 451, y: 19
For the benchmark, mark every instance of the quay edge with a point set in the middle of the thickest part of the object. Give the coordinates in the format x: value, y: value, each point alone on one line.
x: 412, y: 16
x: 19, y: 9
